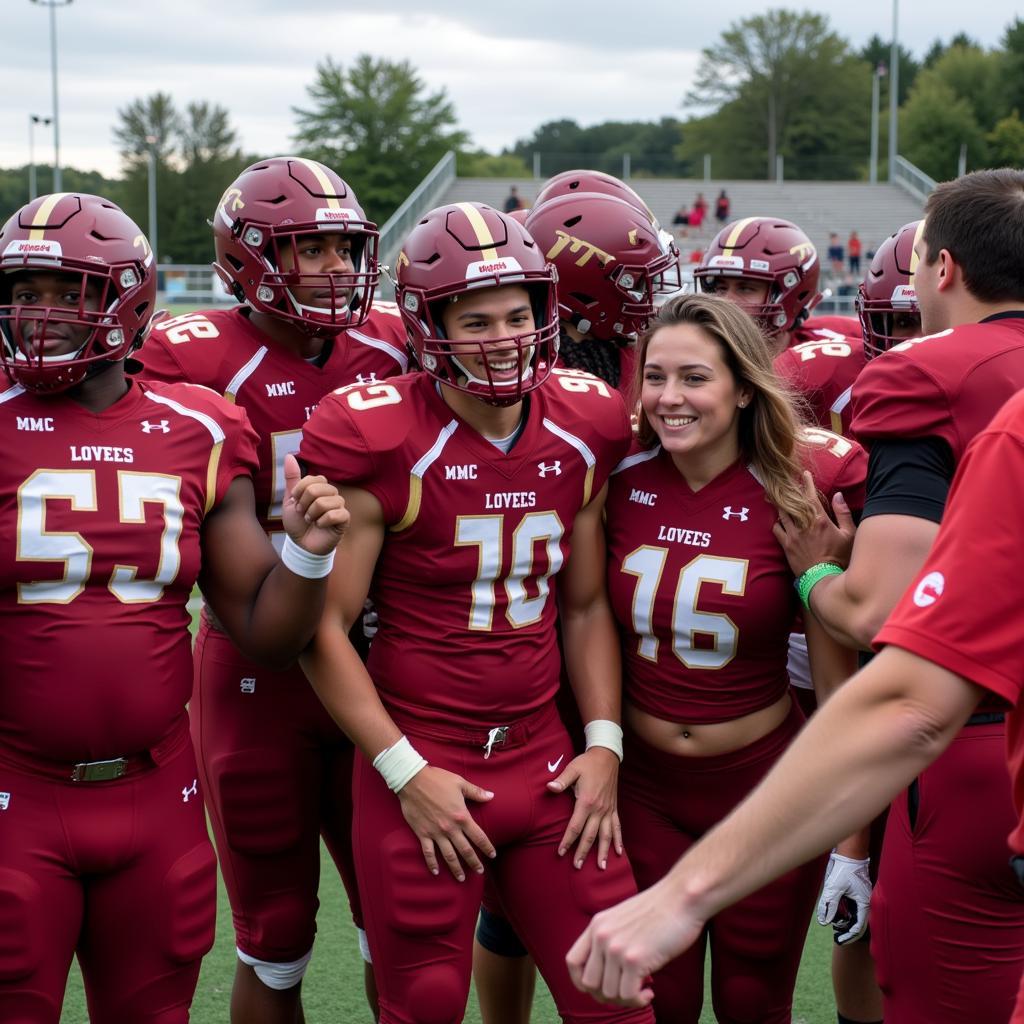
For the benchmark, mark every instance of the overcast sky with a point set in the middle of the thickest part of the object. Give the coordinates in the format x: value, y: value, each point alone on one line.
x: 507, y: 67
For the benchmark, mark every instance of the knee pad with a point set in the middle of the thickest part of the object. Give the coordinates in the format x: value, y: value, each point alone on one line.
x: 364, y: 945
x: 497, y: 936
x: 279, y: 977
x: 259, y: 806
x: 190, y: 905
x: 21, y: 941
x: 438, y: 994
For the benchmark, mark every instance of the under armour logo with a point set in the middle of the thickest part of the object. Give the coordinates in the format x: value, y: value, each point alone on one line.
x: 366, y: 378
x: 248, y: 684
x: 164, y: 426
x: 727, y: 513
x: 5, y: 800
x: 554, y: 467
x: 188, y: 791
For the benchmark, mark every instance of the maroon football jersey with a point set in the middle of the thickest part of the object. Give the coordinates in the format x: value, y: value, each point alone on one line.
x: 963, y: 609
x: 463, y: 583
x: 846, y: 326
x: 947, y: 385
x: 838, y: 464
x: 822, y: 369
x: 700, y: 586
x: 278, y: 389
x: 100, y: 524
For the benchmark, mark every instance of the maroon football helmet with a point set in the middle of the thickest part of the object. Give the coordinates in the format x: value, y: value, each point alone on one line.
x: 886, y: 296
x: 452, y: 252
x: 520, y: 215
x: 92, y: 239
x: 264, y: 212
x: 608, y: 256
x: 576, y: 182
x: 772, y: 250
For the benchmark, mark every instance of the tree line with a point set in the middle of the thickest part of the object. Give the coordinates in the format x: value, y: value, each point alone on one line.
x: 776, y: 84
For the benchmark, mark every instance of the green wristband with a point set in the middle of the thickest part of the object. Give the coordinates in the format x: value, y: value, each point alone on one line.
x: 815, y: 574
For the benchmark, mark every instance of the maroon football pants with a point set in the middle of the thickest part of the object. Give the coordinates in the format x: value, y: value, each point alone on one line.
x: 277, y: 773
x: 947, y: 916
x: 121, y: 873
x: 420, y: 927
x: 666, y: 804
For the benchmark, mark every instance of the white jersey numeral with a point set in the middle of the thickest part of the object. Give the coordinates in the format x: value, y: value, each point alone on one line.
x: 187, y: 327
x: 78, y: 486
x: 648, y: 565
x: 485, y: 532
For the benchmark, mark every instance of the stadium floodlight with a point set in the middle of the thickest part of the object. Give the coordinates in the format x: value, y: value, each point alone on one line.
x: 33, y: 120
x: 53, y: 5
x: 894, y: 88
x: 879, y: 73
x: 151, y: 141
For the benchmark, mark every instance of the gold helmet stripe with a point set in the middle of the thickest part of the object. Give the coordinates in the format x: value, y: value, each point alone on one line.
x: 325, y: 183
x: 46, y: 207
x: 481, y: 230
x: 913, y: 252
x: 734, y: 235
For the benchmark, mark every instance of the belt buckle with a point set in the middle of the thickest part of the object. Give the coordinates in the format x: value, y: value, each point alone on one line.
x: 497, y: 735
x: 99, y: 771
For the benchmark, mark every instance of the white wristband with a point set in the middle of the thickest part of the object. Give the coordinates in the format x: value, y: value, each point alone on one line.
x: 604, y: 733
x: 397, y: 764
x: 302, y: 563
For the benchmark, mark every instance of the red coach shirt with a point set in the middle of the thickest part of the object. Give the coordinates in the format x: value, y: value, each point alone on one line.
x: 100, y: 520
x: 474, y: 537
x: 963, y: 611
x: 279, y: 390
x: 700, y: 586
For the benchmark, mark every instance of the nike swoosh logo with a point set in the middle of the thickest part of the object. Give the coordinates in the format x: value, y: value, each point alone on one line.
x: 553, y: 766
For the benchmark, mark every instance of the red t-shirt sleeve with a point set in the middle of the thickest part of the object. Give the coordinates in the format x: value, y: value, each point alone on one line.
x: 963, y: 610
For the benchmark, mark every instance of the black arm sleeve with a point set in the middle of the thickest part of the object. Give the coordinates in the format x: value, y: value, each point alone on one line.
x: 909, y: 478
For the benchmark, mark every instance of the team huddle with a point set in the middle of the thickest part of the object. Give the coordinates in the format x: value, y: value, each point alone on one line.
x: 515, y: 592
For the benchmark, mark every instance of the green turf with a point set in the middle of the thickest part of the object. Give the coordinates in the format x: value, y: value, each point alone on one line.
x: 333, y: 992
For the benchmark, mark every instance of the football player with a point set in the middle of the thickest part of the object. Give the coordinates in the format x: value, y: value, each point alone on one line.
x: 953, y: 948
x: 295, y: 248
x: 117, y: 497
x: 469, y: 479
x: 705, y: 602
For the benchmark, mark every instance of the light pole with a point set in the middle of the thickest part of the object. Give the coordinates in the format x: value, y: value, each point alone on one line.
x: 878, y: 73
x: 894, y: 88
x: 151, y: 157
x: 33, y: 120
x: 53, y: 5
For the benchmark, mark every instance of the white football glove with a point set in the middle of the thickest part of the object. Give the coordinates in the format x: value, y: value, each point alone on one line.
x: 846, y: 877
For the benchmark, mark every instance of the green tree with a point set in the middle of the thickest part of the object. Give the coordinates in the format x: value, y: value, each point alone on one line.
x: 878, y: 51
x: 376, y: 124
x: 779, y: 66
x: 978, y: 78
x: 480, y: 164
x: 1012, y: 75
x: 1006, y: 142
x: 934, y: 123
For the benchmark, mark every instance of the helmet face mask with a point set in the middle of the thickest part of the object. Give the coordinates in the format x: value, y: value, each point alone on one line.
x: 464, y: 251
x: 261, y: 221
x: 86, y: 250
x: 887, y: 300
x: 771, y: 250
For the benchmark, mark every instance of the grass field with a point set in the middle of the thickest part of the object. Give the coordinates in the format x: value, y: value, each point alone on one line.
x: 333, y: 988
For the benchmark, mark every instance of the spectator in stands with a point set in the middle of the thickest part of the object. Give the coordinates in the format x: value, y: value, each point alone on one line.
x: 698, y: 212
x: 722, y: 207
x: 835, y: 253
x: 513, y: 202
x: 853, y: 252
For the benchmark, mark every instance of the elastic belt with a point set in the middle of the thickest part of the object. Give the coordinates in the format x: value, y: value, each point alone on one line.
x: 987, y: 718
x: 489, y: 737
x: 101, y: 771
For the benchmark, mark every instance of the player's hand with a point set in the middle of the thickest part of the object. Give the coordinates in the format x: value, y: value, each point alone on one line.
x: 822, y: 540
x: 846, y: 877
x: 314, y: 513
x: 614, y: 958
x: 594, y: 778
x: 434, y: 805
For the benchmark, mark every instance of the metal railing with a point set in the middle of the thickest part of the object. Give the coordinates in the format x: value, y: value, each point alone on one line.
x: 912, y: 179
x: 422, y: 198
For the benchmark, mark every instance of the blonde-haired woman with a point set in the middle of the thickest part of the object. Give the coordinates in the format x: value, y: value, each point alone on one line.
x: 706, y: 603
